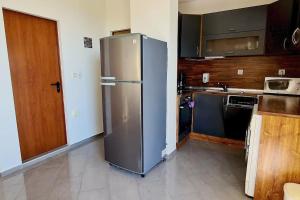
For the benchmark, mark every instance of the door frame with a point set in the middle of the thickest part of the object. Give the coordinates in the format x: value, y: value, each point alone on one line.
x: 61, y: 75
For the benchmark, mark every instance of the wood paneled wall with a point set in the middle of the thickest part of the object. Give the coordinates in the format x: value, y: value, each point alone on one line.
x: 256, y: 68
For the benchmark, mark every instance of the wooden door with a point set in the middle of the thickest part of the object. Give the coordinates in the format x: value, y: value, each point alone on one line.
x: 32, y: 45
x: 121, y: 32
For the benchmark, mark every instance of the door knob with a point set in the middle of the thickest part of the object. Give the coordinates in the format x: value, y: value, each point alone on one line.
x: 57, y: 85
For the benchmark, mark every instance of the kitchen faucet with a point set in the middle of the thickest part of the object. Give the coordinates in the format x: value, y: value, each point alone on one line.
x: 224, y: 86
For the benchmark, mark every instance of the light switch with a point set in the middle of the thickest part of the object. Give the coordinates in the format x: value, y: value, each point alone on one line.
x: 76, y: 75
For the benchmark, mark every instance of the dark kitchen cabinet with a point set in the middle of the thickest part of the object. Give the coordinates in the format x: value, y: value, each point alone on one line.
x: 238, y: 32
x: 189, y: 35
x: 239, y: 20
x: 208, y: 114
x: 272, y: 29
x: 235, y: 44
x: 283, y: 33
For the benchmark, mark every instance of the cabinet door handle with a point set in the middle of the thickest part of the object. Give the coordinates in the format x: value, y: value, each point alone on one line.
x: 231, y: 29
x: 294, y: 39
x: 229, y: 52
x: 284, y: 43
x: 198, y: 51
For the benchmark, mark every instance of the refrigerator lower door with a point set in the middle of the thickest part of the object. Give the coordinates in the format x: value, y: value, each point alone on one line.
x: 123, y: 125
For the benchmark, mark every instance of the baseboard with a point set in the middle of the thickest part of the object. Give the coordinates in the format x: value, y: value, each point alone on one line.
x: 11, y: 171
x: 217, y: 140
x: 181, y: 143
x: 170, y: 155
x: 38, y: 160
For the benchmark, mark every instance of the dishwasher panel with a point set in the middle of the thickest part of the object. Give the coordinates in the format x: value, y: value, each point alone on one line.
x: 236, y: 121
x: 237, y: 116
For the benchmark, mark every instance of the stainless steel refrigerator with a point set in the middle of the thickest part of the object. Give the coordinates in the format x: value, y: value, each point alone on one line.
x: 134, y: 78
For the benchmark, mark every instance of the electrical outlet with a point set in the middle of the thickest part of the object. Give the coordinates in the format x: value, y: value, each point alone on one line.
x: 281, y: 72
x: 240, y: 72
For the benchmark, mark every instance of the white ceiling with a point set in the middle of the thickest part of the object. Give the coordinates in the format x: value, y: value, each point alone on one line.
x: 209, y: 6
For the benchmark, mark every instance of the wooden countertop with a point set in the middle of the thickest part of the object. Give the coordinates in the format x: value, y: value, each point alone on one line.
x: 287, y: 106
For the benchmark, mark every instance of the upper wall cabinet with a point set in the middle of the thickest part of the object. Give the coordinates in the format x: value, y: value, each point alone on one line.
x: 272, y: 29
x: 283, y: 33
x: 189, y: 35
x: 236, y: 32
x: 240, y: 20
x: 235, y: 44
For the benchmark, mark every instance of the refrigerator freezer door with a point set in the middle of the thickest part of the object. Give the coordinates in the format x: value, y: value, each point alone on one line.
x: 121, y: 57
x: 122, y: 125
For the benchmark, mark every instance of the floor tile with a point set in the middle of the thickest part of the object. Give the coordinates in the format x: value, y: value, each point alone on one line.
x: 94, y: 178
x: 199, y: 170
x: 100, y: 194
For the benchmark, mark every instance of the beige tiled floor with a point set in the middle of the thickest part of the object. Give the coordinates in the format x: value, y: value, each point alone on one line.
x: 199, y: 171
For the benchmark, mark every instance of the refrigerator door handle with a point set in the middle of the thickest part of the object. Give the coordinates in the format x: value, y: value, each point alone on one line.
x: 108, y: 84
x: 108, y: 78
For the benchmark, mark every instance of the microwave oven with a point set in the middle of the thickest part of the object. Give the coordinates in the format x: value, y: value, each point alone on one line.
x: 280, y: 85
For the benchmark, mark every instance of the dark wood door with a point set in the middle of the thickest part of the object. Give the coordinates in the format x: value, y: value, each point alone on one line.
x: 33, y: 51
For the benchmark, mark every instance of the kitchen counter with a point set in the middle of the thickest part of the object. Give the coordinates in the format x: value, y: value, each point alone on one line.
x: 286, y: 106
x: 220, y: 92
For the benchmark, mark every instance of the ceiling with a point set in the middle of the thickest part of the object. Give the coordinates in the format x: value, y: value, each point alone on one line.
x: 209, y: 6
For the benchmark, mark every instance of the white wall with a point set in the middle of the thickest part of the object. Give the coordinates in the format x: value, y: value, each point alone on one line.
x: 209, y: 6
x: 158, y: 19
x: 76, y: 19
x: 117, y: 15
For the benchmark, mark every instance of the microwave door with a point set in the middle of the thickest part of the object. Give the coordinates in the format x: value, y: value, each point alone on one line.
x: 279, y: 84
